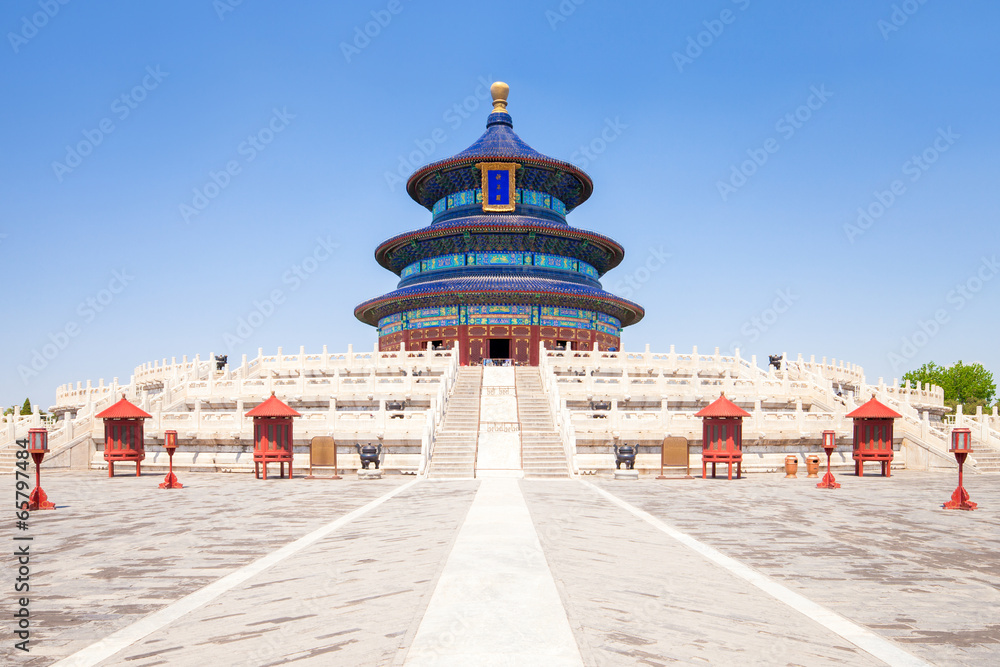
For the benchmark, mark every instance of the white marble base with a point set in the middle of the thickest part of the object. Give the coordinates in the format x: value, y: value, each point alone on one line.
x: 371, y: 473
x: 626, y: 474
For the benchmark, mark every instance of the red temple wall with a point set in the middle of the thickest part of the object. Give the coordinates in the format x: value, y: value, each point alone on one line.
x: 473, y: 340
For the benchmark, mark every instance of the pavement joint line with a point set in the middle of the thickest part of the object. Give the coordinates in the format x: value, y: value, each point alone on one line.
x: 858, y: 635
x: 129, y: 635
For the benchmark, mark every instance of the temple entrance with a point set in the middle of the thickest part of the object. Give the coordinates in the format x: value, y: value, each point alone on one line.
x: 500, y: 348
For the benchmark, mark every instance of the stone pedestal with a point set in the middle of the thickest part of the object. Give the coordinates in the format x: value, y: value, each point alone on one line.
x: 626, y: 474
x: 371, y: 473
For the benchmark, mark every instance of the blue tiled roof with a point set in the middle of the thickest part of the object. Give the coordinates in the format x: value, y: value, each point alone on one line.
x: 499, y: 220
x: 499, y: 142
x: 396, y: 252
x: 485, y: 287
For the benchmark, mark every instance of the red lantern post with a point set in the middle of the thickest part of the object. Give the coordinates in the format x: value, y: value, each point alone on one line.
x: 38, y: 447
x: 170, y: 444
x: 961, y: 447
x: 829, y: 443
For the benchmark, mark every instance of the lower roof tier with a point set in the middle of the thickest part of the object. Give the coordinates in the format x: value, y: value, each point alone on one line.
x: 509, y: 233
x: 499, y: 287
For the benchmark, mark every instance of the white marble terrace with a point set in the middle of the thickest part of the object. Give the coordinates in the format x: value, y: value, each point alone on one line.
x: 400, y: 397
x: 395, y: 397
x: 645, y: 396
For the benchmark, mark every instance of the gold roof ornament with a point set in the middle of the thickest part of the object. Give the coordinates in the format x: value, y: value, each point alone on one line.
x: 499, y: 90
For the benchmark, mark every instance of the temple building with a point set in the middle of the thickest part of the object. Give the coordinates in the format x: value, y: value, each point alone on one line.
x: 499, y: 272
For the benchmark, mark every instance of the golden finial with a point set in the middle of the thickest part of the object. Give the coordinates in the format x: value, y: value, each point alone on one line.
x: 499, y: 90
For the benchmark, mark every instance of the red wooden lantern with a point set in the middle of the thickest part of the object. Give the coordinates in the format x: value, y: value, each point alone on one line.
x: 829, y: 444
x: 722, y: 435
x: 873, y: 436
x: 38, y: 447
x: 170, y: 444
x: 123, y: 437
x: 961, y: 447
x: 272, y: 435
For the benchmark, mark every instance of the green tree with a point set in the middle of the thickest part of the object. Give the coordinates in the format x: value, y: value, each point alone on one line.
x: 26, y: 408
x: 971, y: 385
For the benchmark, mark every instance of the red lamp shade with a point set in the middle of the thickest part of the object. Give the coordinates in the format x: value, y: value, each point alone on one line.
x: 38, y: 440
x: 961, y: 441
x: 829, y: 439
x: 170, y: 439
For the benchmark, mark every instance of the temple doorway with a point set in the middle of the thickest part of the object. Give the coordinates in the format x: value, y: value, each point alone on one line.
x: 500, y: 348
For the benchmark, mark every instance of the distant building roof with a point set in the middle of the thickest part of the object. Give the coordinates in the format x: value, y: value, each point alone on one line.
x: 722, y: 407
x: 273, y: 407
x: 123, y: 409
x: 874, y: 410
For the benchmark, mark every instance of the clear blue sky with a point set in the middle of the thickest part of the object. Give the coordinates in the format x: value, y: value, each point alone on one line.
x: 685, y: 91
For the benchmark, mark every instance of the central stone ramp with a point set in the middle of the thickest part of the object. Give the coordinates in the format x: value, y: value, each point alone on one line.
x: 455, y: 443
x: 496, y: 602
x: 499, y: 452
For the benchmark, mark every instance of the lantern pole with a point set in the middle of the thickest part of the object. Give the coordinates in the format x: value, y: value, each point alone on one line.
x: 961, y: 447
x: 170, y: 444
x: 829, y: 443
x: 39, y: 446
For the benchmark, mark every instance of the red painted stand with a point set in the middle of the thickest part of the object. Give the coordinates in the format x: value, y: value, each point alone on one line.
x: 123, y: 435
x: 170, y: 444
x: 722, y: 436
x: 961, y: 447
x: 829, y: 443
x: 38, y: 447
x: 873, y: 436
x: 272, y: 435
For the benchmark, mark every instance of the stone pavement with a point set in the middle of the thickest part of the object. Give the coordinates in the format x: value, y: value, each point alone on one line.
x: 236, y: 571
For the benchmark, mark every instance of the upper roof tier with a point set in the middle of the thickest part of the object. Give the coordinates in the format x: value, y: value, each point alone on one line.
x: 538, y: 172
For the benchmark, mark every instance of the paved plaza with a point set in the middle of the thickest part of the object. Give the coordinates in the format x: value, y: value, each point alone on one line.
x: 399, y: 571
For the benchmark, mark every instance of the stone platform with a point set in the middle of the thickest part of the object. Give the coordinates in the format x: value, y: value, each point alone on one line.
x: 235, y: 571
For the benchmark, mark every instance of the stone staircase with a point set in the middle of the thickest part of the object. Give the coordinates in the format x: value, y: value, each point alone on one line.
x: 8, y: 459
x: 542, y: 454
x: 454, y: 453
x: 987, y: 460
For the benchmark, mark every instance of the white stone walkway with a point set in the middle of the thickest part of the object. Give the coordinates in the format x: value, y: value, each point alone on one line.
x: 496, y: 602
x: 761, y: 571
